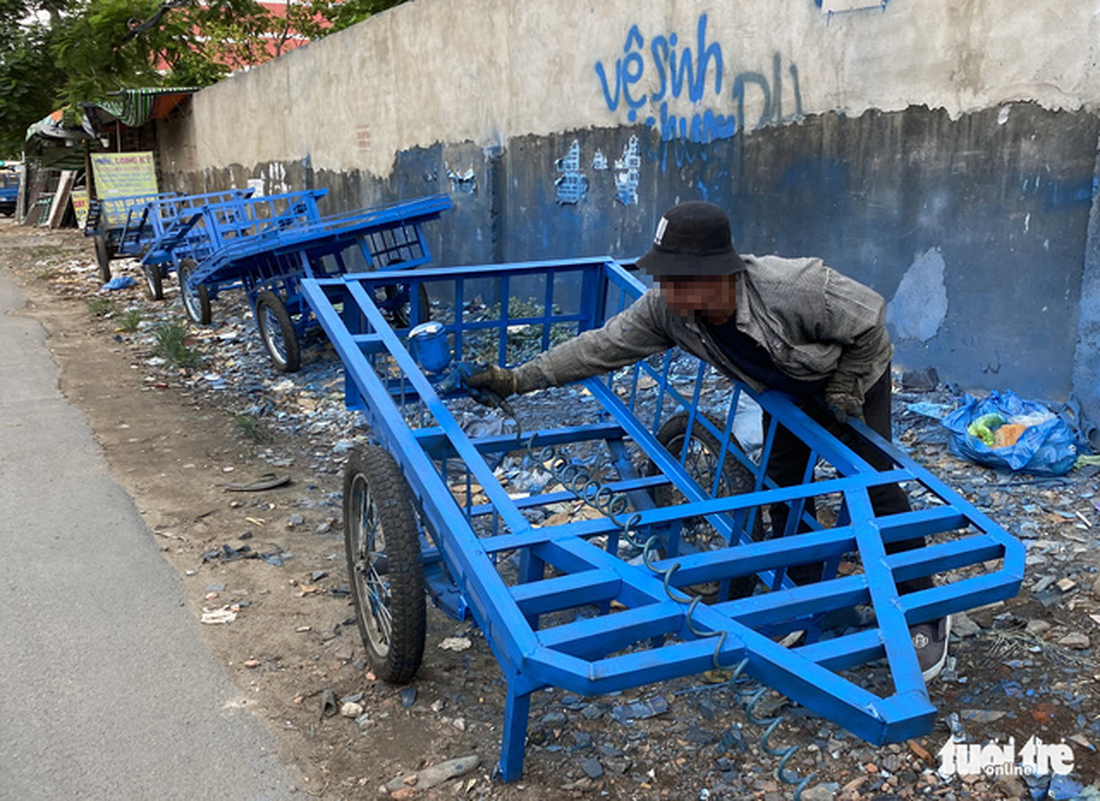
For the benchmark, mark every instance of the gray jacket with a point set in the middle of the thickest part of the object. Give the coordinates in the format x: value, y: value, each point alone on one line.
x: 815, y: 323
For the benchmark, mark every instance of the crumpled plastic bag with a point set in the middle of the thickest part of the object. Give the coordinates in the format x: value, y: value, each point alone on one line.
x: 118, y: 282
x: 1046, y: 447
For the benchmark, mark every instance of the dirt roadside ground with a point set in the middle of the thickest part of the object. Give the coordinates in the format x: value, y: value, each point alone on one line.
x: 272, y: 561
x: 294, y: 636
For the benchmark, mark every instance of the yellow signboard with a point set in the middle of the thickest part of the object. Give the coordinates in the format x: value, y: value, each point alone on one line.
x: 80, y: 206
x: 122, y: 175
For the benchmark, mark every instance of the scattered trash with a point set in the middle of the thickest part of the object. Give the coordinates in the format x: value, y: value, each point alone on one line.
x: 1056, y: 517
x: 982, y: 715
x: 264, y: 482
x: 119, y: 282
x: 640, y: 710
x: 328, y: 704
x: 1043, y: 444
x: 225, y: 614
x: 456, y: 644
x: 937, y: 411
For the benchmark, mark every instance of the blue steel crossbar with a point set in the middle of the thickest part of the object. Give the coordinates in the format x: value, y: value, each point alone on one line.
x: 238, y: 240
x: 169, y: 219
x: 571, y: 611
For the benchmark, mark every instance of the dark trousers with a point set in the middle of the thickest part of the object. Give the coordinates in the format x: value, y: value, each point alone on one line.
x: 790, y: 456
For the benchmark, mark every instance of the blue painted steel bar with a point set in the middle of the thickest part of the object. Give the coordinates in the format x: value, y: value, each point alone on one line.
x: 576, y: 614
x: 270, y: 243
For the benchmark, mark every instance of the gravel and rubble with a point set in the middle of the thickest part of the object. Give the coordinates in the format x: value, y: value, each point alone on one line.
x: 1019, y: 669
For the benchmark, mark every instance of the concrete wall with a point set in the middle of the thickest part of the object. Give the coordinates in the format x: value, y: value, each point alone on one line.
x: 943, y: 152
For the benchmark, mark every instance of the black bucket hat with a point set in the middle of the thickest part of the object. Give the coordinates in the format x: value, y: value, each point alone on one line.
x: 692, y: 239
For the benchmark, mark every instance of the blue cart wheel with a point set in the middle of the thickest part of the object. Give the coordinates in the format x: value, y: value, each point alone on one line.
x: 277, y: 332
x: 103, y: 256
x: 384, y: 567
x: 701, y: 461
x: 154, y: 287
x: 196, y: 299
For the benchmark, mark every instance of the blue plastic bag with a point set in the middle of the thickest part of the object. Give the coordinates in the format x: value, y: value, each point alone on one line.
x: 119, y: 282
x: 1048, y: 448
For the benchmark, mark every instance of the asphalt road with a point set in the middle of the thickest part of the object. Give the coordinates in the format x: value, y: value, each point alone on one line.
x: 106, y: 689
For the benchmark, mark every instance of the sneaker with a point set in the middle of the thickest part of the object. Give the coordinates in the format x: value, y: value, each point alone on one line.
x: 930, y: 643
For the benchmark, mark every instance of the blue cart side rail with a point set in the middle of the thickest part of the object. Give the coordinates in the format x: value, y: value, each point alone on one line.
x: 235, y: 237
x: 558, y: 601
x: 235, y: 245
x: 108, y: 217
x: 164, y: 224
x: 133, y: 224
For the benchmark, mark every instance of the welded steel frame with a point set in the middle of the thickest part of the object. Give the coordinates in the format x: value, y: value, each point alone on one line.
x: 271, y: 243
x: 636, y: 607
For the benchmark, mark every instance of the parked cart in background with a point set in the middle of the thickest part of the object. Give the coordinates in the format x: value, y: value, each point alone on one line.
x: 117, y: 225
x: 126, y: 227
x: 267, y: 245
x: 671, y: 576
x: 161, y: 222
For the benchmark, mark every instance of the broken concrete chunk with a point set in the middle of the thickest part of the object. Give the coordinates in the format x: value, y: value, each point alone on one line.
x: 963, y: 626
x: 1075, y: 640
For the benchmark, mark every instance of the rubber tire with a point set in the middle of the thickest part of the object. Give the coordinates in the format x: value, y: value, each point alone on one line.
x: 736, y: 478
x: 401, y: 317
x: 270, y: 306
x: 154, y: 281
x: 376, y: 497
x: 196, y: 302
x: 103, y: 257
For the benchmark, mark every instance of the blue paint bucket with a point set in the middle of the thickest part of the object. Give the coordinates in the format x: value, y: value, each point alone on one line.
x: 428, y: 345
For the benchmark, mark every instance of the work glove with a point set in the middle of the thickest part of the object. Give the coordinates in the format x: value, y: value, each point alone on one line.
x: 843, y: 407
x: 498, y: 380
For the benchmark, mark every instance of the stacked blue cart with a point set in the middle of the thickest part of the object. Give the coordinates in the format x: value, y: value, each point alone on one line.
x: 127, y: 226
x: 265, y: 245
x: 671, y: 576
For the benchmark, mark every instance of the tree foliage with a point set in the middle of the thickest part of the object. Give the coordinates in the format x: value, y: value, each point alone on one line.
x: 57, y: 52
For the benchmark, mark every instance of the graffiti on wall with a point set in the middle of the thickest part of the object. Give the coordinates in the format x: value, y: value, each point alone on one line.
x: 572, y: 185
x: 628, y: 171
x: 693, y: 98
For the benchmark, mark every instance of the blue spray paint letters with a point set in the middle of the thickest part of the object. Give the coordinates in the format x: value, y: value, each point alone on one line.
x: 663, y: 50
x: 628, y: 71
x: 691, y: 76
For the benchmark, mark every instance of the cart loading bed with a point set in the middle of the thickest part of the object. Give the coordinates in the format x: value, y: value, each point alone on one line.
x: 267, y: 245
x: 568, y: 603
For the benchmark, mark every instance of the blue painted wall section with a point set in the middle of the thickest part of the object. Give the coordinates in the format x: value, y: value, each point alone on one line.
x: 975, y: 230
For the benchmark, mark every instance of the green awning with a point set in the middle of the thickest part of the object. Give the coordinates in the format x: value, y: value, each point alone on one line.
x: 135, y: 107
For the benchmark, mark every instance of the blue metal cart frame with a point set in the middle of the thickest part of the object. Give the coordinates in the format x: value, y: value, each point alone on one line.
x: 113, y: 222
x: 266, y: 245
x: 129, y: 226
x: 575, y: 615
x: 155, y: 225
